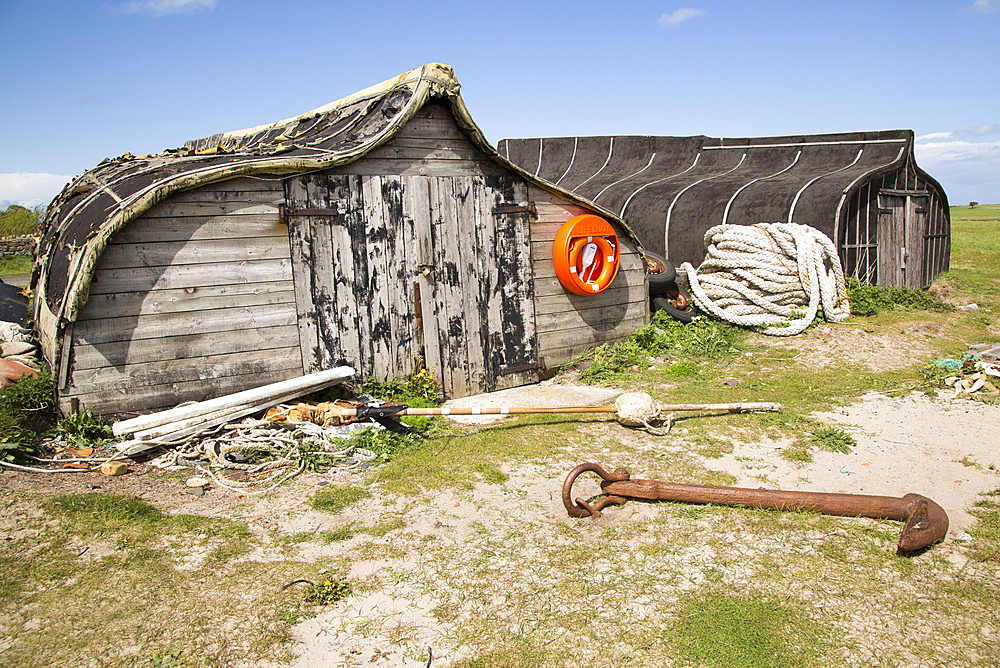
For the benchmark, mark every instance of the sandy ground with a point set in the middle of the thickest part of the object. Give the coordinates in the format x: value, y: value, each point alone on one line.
x: 943, y: 448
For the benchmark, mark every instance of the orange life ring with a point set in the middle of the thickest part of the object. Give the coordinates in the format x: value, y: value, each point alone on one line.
x: 586, y: 254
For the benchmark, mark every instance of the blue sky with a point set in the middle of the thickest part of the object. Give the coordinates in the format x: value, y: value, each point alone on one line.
x: 87, y: 80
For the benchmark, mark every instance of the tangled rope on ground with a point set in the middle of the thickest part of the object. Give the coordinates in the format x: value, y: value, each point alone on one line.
x: 770, y: 275
x: 279, y: 453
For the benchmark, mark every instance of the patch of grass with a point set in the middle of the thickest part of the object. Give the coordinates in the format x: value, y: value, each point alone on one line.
x: 715, y: 630
x: 335, y: 499
x: 138, y: 524
x: 491, y: 475
x: 872, y: 299
x: 345, y: 532
x: 100, y: 514
x: 797, y: 453
x: 383, y: 528
x: 15, y: 264
x: 833, y: 438
x: 986, y: 532
x: 710, y: 447
x: 452, y: 461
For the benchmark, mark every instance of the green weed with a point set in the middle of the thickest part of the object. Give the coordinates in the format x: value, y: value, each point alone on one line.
x: 986, y: 532
x: 330, y: 589
x: 383, y: 528
x: 335, y: 499
x: 833, y: 438
x: 700, y: 339
x: 83, y: 429
x: 872, y: 299
x: 797, y: 453
x: 27, y: 412
x: 715, y: 630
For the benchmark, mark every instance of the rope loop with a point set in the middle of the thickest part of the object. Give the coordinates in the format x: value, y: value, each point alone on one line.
x: 774, y: 276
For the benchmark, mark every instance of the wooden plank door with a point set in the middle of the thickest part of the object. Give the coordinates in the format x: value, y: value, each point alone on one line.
x: 891, y: 225
x: 396, y: 271
x: 917, y: 207
x: 902, y: 230
x: 349, y: 239
x: 474, y: 282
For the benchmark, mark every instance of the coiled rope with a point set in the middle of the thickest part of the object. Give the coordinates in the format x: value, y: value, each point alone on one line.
x: 769, y: 275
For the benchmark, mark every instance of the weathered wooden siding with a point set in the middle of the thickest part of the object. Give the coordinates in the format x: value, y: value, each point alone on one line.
x: 896, y: 231
x: 567, y: 323
x: 411, y: 266
x: 416, y: 221
x: 192, y: 300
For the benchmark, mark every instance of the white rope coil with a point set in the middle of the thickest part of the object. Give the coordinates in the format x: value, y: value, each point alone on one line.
x: 770, y: 275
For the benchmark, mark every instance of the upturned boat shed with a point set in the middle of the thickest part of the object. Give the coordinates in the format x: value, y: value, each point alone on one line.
x: 888, y: 218
x: 381, y: 231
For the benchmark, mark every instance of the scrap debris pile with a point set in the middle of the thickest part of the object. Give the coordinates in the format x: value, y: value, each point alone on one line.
x: 219, y: 439
x: 978, y: 372
x: 262, y: 454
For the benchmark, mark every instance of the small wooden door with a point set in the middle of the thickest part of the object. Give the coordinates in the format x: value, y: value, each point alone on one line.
x: 902, y: 231
x: 394, y: 272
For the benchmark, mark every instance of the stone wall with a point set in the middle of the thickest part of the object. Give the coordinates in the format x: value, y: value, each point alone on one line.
x: 22, y: 245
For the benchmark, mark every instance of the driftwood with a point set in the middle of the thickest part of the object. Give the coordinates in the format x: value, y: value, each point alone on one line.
x: 183, y: 421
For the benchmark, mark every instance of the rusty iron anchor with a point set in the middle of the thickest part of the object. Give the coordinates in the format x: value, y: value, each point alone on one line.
x: 924, y: 521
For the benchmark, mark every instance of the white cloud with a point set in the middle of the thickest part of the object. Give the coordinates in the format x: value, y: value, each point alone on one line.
x: 934, y: 135
x: 31, y: 189
x: 978, y: 130
x: 157, y: 8
x: 680, y: 16
x: 984, y: 7
x: 967, y: 169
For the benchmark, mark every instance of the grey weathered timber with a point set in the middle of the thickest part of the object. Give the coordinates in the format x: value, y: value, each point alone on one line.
x: 380, y: 232
x: 207, y: 298
x: 200, y: 345
x: 185, y: 284
x: 475, y: 317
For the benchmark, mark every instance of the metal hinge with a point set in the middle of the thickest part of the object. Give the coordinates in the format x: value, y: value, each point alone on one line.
x: 506, y: 209
x: 530, y: 366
